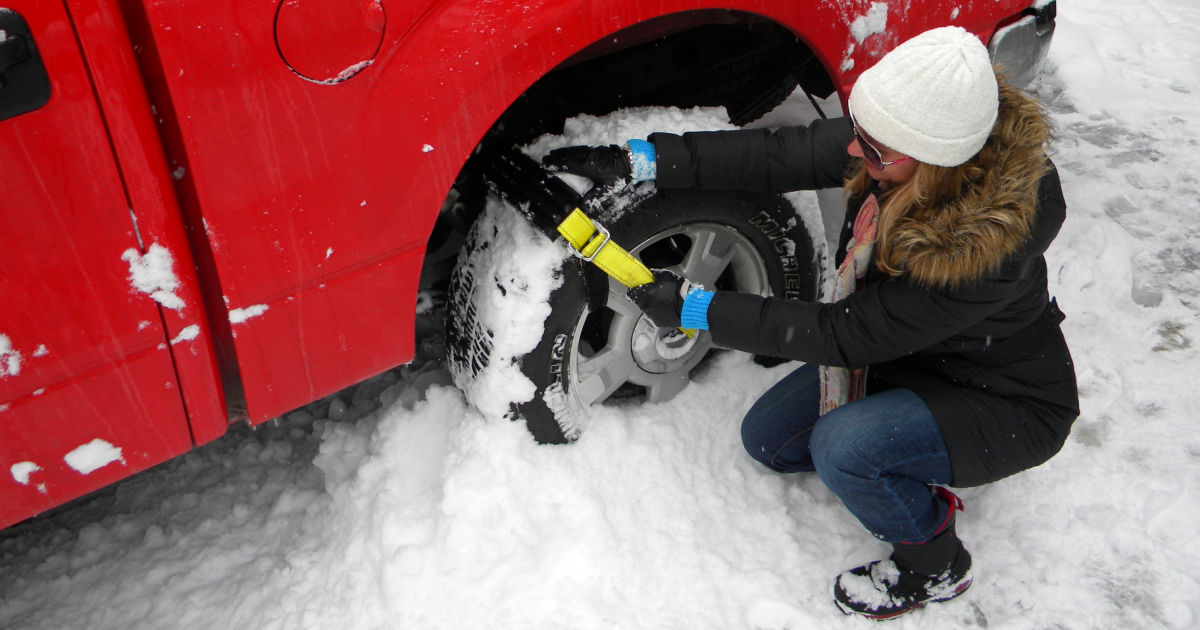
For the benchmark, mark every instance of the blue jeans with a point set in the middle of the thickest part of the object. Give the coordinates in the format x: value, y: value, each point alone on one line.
x: 879, y: 455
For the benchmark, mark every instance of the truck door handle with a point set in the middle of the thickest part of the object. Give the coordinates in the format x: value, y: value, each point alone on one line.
x: 13, y: 51
x: 24, y: 85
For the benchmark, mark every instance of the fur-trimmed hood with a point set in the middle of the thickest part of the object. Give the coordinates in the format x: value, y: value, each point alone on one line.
x: 961, y: 236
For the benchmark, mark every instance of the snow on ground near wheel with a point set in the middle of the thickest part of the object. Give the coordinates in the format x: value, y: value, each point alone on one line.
x: 435, y: 517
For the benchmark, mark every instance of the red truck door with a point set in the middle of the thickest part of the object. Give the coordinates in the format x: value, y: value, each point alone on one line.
x: 88, y: 392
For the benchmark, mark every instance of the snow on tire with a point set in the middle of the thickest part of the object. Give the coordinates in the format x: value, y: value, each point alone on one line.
x: 523, y: 342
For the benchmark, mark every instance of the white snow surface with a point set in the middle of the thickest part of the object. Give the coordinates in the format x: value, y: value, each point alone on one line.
x: 188, y: 333
x: 151, y: 273
x: 347, y: 73
x: 10, y: 359
x: 434, y: 516
x: 875, y: 21
x: 22, y: 470
x: 93, y: 456
x: 240, y: 315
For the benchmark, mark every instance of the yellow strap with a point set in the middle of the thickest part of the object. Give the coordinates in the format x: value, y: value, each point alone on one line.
x: 592, y: 242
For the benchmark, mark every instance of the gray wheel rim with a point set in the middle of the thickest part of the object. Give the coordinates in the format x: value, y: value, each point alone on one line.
x: 716, y: 250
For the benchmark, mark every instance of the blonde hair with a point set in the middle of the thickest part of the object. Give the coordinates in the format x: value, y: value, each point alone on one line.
x: 921, y: 217
x: 916, y: 200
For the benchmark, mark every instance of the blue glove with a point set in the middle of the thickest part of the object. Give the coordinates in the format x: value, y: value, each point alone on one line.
x: 643, y: 160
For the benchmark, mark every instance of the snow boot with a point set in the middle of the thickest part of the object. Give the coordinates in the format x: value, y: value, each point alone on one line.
x: 914, y: 575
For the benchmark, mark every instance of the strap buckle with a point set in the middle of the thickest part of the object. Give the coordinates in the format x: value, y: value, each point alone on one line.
x: 606, y: 239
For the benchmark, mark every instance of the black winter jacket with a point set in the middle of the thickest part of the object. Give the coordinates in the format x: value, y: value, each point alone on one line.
x: 987, y: 356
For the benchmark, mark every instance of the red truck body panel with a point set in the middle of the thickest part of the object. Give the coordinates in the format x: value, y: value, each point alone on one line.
x: 291, y: 156
x: 89, y: 393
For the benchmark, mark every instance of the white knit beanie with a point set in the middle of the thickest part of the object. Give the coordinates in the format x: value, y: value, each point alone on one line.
x: 933, y: 98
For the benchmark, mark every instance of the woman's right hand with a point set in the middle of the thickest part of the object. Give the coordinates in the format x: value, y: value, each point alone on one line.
x: 606, y: 165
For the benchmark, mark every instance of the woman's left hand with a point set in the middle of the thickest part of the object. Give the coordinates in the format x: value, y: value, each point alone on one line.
x: 662, y: 299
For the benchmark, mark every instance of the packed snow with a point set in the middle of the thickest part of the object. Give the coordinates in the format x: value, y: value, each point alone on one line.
x: 393, y: 505
x: 10, y: 359
x: 90, y: 457
x: 875, y: 21
x: 21, y: 471
x: 188, y: 333
x: 152, y: 273
x: 240, y: 315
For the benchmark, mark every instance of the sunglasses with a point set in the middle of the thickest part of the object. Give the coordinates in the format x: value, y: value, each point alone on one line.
x: 871, y: 154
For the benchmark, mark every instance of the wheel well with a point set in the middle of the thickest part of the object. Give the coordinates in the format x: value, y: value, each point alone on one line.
x: 743, y: 62
x: 699, y: 58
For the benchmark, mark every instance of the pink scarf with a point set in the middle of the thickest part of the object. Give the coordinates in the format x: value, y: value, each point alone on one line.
x: 841, y: 385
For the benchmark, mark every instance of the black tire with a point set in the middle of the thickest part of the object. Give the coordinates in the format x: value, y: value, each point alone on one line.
x: 724, y: 240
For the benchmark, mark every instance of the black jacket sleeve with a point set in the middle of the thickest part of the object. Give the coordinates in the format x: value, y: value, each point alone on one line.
x: 759, y: 160
x: 884, y: 321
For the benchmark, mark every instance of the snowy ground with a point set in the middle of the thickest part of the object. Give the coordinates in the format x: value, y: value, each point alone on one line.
x: 362, y: 512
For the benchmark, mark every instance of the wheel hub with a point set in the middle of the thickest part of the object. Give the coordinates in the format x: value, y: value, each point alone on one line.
x: 662, y: 350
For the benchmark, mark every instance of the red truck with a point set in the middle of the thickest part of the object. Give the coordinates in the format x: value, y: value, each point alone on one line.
x: 219, y: 211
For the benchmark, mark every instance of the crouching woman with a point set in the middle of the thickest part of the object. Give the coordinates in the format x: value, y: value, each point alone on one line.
x: 938, y: 359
